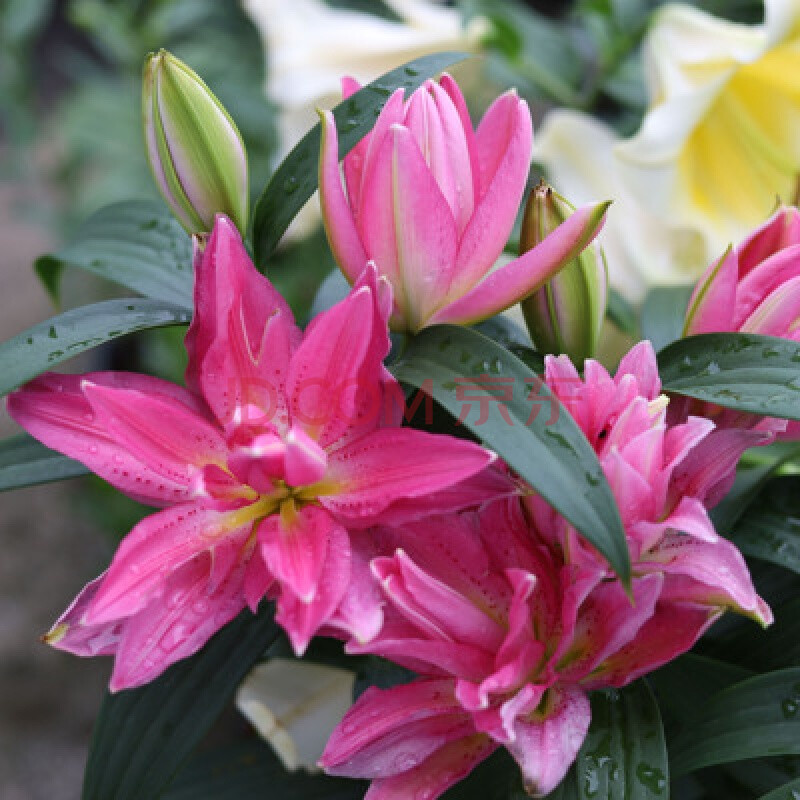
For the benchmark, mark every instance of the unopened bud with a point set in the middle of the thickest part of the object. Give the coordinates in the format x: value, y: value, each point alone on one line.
x: 195, y: 150
x: 566, y: 314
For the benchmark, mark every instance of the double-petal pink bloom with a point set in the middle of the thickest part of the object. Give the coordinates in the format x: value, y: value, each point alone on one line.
x: 432, y: 202
x: 282, y: 443
x: 510, y: 618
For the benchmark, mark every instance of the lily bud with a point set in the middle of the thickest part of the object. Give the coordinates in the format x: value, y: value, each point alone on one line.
x: 566, y: 314
x: 194, y: 148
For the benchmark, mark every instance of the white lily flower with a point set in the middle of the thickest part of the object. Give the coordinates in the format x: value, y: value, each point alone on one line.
x: 294, y: 705
x: 311, y: 46
x: 719, y: 143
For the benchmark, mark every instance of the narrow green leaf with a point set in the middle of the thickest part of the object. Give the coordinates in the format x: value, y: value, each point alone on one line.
x: 770, y: 528
x: 662, y: 314
x: 789, y: 791
x: 744, y: 371
x: 624, y: 756
x: 296, y: 178
x: 756, y: 718
x: 49, y: 343
x: 26, y: 462
x: 251, y: 771
x: 525, y: 424
x: 751, y: 477
x: 144, y: 735
x: 137, y: 244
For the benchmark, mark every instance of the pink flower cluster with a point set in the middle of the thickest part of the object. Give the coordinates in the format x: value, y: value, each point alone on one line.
x: 416, y: 547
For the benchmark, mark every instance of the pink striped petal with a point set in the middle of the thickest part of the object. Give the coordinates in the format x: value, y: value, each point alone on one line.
x: 337, y: 213
x: 640, y: 361
x: 546, y: 745
x: 177, y: 625
x: 509, y: 284
x: 234, y: 304
x: 302, y: 619
x: 157, y: 546
x: 425, y: 229
x: 53, y: 409
x: 390, y: 464
x: 503, y: 142
x: 711, y: 306
x: 171, y: 439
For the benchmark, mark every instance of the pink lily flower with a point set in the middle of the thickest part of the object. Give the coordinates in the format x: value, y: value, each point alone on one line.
x: 753, y: 288
x: 664, y: 478
x: 282, y: 443
x: 432, y: 201
x: 507, y: 637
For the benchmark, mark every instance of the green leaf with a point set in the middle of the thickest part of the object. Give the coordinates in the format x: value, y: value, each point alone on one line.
x: 662, y: 314
x: 770, y: 528
x: 789, y: 791
x: 251, y: 771
x: 751, y: 477
x: 142, y: 736
x: 137, y: 244
x: 49, y: 343
x: 296, y: 178
x: 624, y: 756
x: 743, y: 371
x: 25, y: 462
x: 756, y: 718
x: 525, y: 425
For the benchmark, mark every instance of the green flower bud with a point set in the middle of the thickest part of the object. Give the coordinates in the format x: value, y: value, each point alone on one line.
x: 195, y: 150
x: 566, y: 314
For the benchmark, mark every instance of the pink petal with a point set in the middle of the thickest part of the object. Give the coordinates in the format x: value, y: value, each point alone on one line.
x: 337, y: 214
x: 763, y: 279
x: 301, y: 620
x: 503, y: 144
x: 546, y: 745
x: 443, y: 769
x: 779, y: 313
x: 416, y: 718
x: 606, y: 622
x: 782, y: 230
x: 425, y: 230
x: 434, y: 606
x: 509, y: 284
x: 234, y: 304
x: 257, y: 580
x: 53, y: 408
x: 456, y: 139
x: 713, y: 301
x: 305, y: 461
x: 490, y: 483
x: 390, y: 464
x: 154, y: 549
x: 177, y: 625
x: 672, y: 630
x: 460, y: 104
x: 335, y: 381
x: 294, y: 548
x: 71, y: 634
x: 171, y: 439
x: 640, y: 361
x: 353, y: 162
x: 716, y: 571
